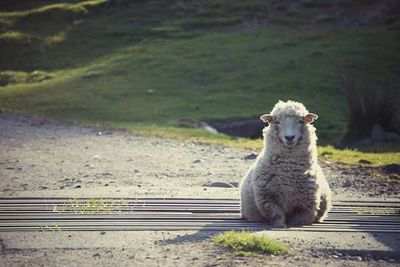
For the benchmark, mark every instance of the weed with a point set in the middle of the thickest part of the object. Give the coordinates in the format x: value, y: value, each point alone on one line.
x: 49, y: 228
x: 247, y: 244
x: 92, y: 206
x: 377, y: 211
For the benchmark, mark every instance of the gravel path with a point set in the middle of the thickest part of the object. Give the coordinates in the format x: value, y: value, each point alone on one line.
x: 43, y: 157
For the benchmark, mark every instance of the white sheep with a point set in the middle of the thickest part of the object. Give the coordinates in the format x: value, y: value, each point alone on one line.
x: 286, y: 186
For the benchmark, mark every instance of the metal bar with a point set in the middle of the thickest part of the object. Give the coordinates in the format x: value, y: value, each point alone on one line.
x: 133, y: 214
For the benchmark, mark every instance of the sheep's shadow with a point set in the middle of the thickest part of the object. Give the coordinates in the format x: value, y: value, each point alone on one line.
x: 391, y: 241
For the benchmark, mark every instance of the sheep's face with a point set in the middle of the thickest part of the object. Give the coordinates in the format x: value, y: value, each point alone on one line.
x: 289, y: 128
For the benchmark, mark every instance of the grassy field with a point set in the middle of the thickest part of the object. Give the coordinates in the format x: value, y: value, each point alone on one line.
x: 140, y: 66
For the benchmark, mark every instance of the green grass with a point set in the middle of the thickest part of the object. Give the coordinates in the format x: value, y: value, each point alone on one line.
x: 161, y: 62
x: 248, y: 244
x: 354, y: 157
x: 380, y: 156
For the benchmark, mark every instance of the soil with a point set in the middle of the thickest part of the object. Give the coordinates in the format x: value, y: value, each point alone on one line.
x: 45, y: 157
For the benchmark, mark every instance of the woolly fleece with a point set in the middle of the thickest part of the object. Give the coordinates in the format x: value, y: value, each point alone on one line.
x: 286, y: 185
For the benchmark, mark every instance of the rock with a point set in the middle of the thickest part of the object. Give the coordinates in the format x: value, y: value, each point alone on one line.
x: 102, y: 233
x: 357, y: 258
x: 347, y: 183
x: 391, y: 169
x: 90, y: 166
x: 78, y: 186
x: 92, y: 74
x: 197, y: 161
x: 235, y: 184
x: 150, y: 91
x: 364, y: 161
x: 186, y: 122
x: 96, y: 255
x: 379, y: 134
x: 252, y: 155
x: 108, y: 254
x: 100, y: 133
x: 338, y: 254
x: 390, y: 136
x: 220, y: 184
x: 251, y: 128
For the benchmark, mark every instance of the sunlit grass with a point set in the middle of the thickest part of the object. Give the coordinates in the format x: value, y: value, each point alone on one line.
x: 73, y: 7
x: 248, y: 244
x: 156, y: 68
x: 354, y: 157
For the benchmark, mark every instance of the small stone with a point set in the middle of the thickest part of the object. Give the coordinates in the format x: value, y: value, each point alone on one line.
x: 392, y: 260
x: 219, y: 184
x: 78, y: 186
x: 197, y: 161
x: 106, y: 184
x: 92, y: 74
x: 102, y: 233
x: 150, y: 91
x: 252, y: 155
x: 357, y: 258
x: 347, y: 183
x: 109, y: 254
x: 335, y: 256
x: 96, y: 255
x: 235, y: 184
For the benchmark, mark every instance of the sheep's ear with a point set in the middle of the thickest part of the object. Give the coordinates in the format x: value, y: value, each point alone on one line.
x: 266, y: 118
x: 310, y: 117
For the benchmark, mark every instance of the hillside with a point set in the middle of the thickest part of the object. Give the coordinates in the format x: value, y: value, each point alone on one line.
x: 136, y: 64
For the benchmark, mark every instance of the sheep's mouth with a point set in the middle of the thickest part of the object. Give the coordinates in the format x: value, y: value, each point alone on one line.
x: 290, y: 144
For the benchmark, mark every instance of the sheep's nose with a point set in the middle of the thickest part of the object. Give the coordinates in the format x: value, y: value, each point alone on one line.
x: 289, y: 137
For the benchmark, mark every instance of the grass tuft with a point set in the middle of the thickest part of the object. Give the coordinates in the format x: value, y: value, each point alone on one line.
x: 248, y: 244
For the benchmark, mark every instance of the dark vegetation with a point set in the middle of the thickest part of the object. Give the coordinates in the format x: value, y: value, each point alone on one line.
x: 147, y: 63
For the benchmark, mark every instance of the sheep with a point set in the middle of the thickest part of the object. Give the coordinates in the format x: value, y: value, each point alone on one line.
x: 286, y: 185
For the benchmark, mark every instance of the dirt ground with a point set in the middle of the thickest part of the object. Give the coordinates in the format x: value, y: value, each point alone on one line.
x: 44, y: 157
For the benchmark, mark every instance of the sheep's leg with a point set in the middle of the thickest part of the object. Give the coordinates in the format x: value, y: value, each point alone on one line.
x: 324, y: 207
x: 302, y: 216
x: 274, y: 214
x: 248, y: 206
x: 269, y: 208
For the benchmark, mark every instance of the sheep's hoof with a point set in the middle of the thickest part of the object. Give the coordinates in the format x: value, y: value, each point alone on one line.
x: 279, y: 223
